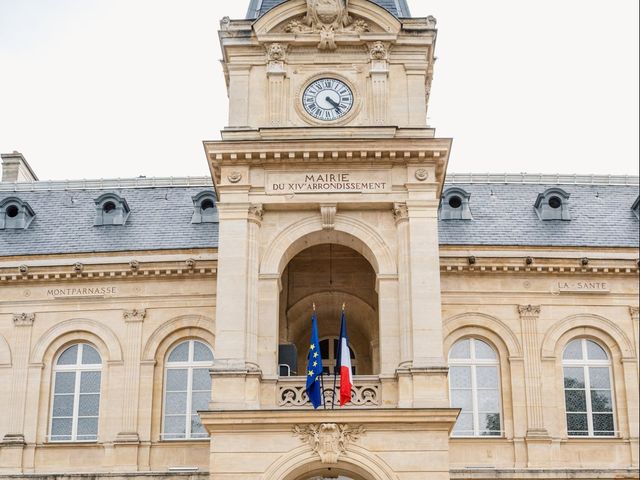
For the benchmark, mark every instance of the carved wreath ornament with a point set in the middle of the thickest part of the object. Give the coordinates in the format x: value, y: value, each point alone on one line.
x: 328, y: 440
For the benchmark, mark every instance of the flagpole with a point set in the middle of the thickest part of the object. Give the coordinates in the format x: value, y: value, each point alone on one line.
x: 324, y: 401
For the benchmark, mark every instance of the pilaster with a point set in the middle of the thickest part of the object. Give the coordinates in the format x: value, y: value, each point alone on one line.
x: 256, y: 213
x: 276, y: 78
x: 379, y: 73
x: 635, y: 318
x: 401, y: 215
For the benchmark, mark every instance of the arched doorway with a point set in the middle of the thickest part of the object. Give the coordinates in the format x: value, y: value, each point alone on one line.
x: 330, y: 275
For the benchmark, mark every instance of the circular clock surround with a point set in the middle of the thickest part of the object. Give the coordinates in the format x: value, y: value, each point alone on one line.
x: 328, y: 99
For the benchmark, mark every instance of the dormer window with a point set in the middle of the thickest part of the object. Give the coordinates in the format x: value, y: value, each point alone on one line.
x: 204, y: 206
x: 455, y: 205
x: 636, y: 207
x: 15, y: 214
x: 111, y: 209
x: 553, y: 204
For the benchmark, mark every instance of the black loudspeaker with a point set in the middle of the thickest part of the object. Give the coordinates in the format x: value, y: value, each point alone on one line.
x: 288, y: 360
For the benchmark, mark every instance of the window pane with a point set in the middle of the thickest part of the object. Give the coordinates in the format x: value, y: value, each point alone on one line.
x: 88, y: 405
x: 90, y: 355
x: 177, y: 380
x: 488, y: 401
x: 197, y: 429
x: 573, y: 377
x: 464, y: 424
x: 599, y: 377
x: 180, y: 353
x: 577, y: 424
x: 462, y: 399
x: 90, y: 382
x: 176, y: 403
x: 573, y: 351
x: 201, y: 353
x: 484, y: 351
x: 575, y: 400
x: 201, y: 379
x: 200, y: 401
x: 489, y: 423
x: 460, y: 377
x: 324, y: 349
x: 87, y: 427
x: 176, y: 426
x: 487, y: 377
x: 595, y: 351
x: 69, y: 356
x: 63, y: 405
x: 603, y: 424
x: 461, y: 350
x: 65, y: 382
x: 61, y: 426
x: 601, y: 401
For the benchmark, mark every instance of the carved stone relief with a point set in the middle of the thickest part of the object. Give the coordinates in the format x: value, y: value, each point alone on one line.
x: 329, y: 440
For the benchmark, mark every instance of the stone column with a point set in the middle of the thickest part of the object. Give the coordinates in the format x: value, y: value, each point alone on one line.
x: 23, y: 324
x: 133, y: 344
x: 253, y: 268
x: 635, y: 317
x: 529, y: 315
x: 401, y: 215
x: 276, y: 75
x: 379, y: 74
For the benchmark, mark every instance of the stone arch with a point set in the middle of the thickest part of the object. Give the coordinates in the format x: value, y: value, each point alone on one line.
x: 302, y: 460
x: 308, y: 232
x: 551, y: 344
x: 101, y: 331
x: 488, y: 323
x: 158, y: 337
x: 5, y: 352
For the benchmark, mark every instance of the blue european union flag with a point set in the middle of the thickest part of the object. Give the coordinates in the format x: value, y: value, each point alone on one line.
x: 314, y: 366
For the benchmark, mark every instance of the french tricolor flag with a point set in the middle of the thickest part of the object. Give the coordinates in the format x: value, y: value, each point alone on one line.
x: 344, y: 363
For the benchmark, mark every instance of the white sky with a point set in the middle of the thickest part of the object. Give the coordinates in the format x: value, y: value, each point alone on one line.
x: 121, y: 88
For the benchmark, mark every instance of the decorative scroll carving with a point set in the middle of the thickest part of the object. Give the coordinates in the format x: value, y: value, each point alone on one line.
x: 529, y: 310
x: 329, y: 440
x: 24, y: 319
x: 295, y: 395
x: 328, y: 212
x: 134, y: 315
x: 431, y: 21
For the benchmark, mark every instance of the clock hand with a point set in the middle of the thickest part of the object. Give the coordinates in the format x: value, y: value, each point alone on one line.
x: 335, y: 105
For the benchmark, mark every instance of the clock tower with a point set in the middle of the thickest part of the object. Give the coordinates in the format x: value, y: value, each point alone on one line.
x: 328, y: 181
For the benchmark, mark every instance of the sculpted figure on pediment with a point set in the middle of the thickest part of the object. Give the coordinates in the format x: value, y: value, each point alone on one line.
x: 327, y: 13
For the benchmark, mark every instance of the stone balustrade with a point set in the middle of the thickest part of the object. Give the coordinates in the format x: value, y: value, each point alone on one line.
x: 366, y: 392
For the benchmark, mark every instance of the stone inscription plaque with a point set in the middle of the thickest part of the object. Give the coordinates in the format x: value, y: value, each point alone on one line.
x: 328, y: 182
x: 81, y: 292
x: 584, y: 286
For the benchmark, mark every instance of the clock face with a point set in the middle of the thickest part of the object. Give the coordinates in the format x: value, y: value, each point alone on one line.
x: 327, y: 99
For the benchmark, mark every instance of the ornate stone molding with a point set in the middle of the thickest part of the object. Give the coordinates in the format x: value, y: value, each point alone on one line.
x: 366, y: 394
x: 529, y: 310
x: 78, y: 267
x: 234, y: 177
x: 422, y: 174
x: 24, y: 319
x: 400, y: 212
x: 277, y: 52
x: 328, y: 212
x: 134, y: 316
x: 378, y: 51
x: 329, y: 440
x: 634, y: 312
x: 256, y: 213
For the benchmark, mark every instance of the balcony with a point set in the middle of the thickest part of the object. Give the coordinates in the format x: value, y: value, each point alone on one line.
x: 366, y: 393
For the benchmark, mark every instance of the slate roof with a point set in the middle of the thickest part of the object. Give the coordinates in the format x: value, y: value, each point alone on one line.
x: 161, y: 211
x: 398, y: 8
x: 160, y: 220
x: 503, y: 214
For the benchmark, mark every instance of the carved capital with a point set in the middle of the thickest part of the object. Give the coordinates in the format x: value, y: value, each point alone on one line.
x: 400, y: 212
x: 24, y: 319
x: 328, y: 440
x: 328, y: 212
x: 529, y: 310
x: 256, y: 213
x: 634, y: 312
x: 134, y: 315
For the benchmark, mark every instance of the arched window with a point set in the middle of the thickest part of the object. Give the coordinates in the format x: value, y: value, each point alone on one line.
x: 474, y: 386
x: 187, y: 387
x: 329, y: 352
x: 76, y: 395
x: 587, y: 390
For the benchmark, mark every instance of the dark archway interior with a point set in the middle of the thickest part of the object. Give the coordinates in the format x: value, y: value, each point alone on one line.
x: 331, y: 275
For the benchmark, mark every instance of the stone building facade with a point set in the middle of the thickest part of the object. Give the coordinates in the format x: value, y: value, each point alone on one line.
x: 160, y: 327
